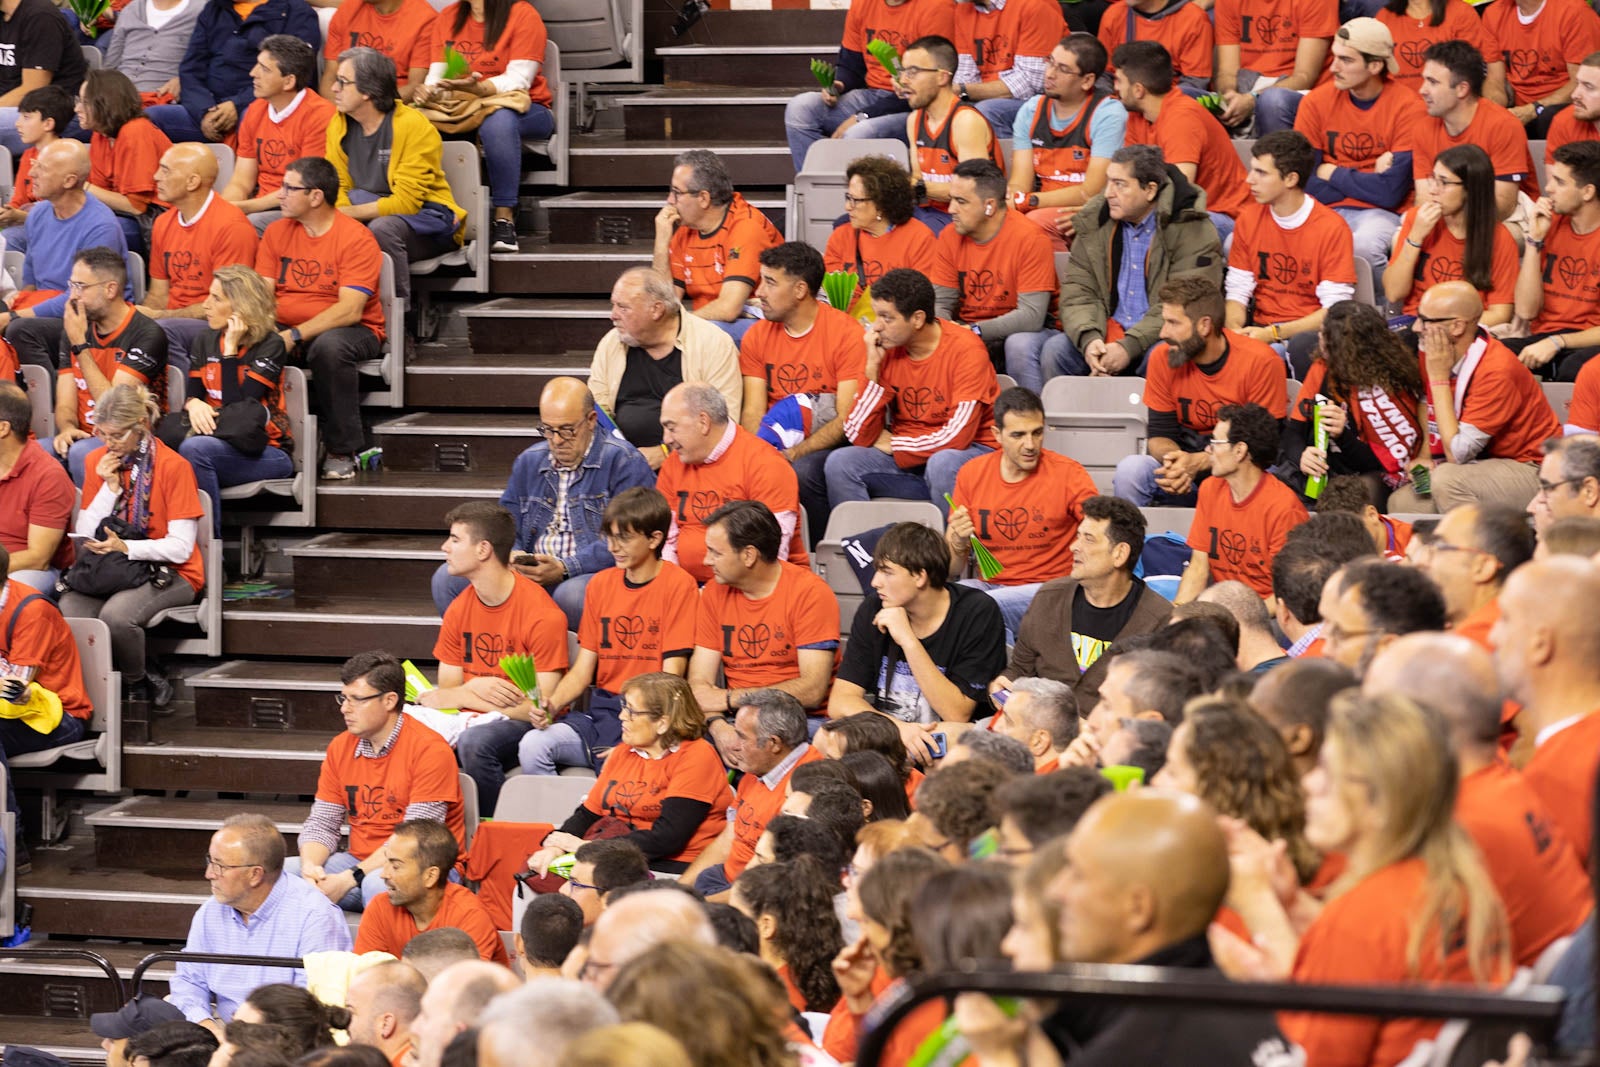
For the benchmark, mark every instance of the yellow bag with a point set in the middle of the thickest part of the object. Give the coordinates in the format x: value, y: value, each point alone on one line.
x: 42, y: 712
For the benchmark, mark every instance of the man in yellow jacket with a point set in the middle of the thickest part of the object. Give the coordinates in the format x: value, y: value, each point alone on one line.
x: 388, y: 159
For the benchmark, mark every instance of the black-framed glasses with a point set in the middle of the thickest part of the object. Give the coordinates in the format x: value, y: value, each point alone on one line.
x: 1064, y: 71
x: 628, y: 711
x: 574, y: 884
x: 75, y: 286
x: 287, y: 188
x: 852, y: 201
x: 1428, y: 320
x: 1440, y: 180
x: 1546, y: 488
x: 341, y: 699
x: 673, y: 192
x: 210, y: 863
x: 342, y: 82
x: 561, y: 433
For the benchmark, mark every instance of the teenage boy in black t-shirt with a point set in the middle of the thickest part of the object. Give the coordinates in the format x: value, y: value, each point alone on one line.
x: 36, y: 49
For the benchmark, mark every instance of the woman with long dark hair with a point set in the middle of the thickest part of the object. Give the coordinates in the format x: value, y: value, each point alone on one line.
x: 1453, y: 233
x: 792, y: 905
x: 124, y: 150
x: 1417, y: 24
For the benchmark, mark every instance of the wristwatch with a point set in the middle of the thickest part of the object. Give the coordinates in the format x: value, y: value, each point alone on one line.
x: 961, y: 91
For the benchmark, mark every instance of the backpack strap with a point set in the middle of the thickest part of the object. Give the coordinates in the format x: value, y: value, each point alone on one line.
x: 11, y: 624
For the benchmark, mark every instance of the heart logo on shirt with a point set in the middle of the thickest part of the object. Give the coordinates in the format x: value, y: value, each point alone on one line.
x: 273, y: 153
x: 871, y: 271
x: 1268, y: 28
x: 305, y: 272
x: 916, y: 400
x: 470, y: 50
x: 1232, y: 544
x: 704, y: 503
x: 792, y: 377
x: 1358, y: 146
x: 1283, y: 267
x: 1443, y: 269
x: 1523, y: 61
x: 1573, y: 269
x: 367, y: 39
x: 1410, y: 53
x: 622, y: 797
x: 980, y: 283
x: 628, y: 628
x: 1011, y: 522
x: 488, y: 648
x: 180, y: 263
x: 753, y: 640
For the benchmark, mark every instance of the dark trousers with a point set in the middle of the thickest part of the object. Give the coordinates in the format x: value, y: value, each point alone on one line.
x: 396, y: 237
x: 19, y: 739
x: 336, y: 383
x: 1568, y: 361
x: 37, y: 341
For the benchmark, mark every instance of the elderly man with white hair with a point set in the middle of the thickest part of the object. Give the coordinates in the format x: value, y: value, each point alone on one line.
x: 638, y: 921
x: 532, y: 1026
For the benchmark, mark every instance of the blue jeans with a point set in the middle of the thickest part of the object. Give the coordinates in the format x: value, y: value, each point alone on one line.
x: 367, y: 885
x: 1135, y: 482
x: 568, y: 595
x: 932, y: 218
x: 18, y: 739
x: 1001, y: 113
x: 1025, y: 359
x: 811, y: 471
x: 76, y: 454
x: 1013, y: 601
x: 1373, y: 229
x: 807, y: 119
x: 547, y: 751
x: 175, y: 121
x: 1276, y: 109
x: 501, y: 136
x: 735, y: 329
x: 486, y: 753
x: 218, y: 464
x: 856, y: 473
x: 712, y: 880
x: 40, y: 581
x: 1224, y: 226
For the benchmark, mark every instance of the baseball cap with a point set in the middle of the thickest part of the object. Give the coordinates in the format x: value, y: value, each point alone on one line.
x: 1372, y: 38
x: 135, y: 1017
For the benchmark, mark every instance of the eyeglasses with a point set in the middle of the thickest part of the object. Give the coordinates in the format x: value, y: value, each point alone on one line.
x: 1546, y: 488
x: 115, y: 437
x: 1428, y: 320
x: 561, y: 433
x: 1058, y: 68
x: 340, y: 83
x: 575, y: 885
x: 593, y: 969
x: 628, y: 711
x: 210, y: 863
x: 852, y: 201
x: 1439, y: 180
x: 78, y: 287
x: 287, y: 188
x: 673, y: 192
x: 1218, y: 443
x: 1446, y: 546
x: 917, y: 72
x: 341, y: 699
x: 1334, y: 632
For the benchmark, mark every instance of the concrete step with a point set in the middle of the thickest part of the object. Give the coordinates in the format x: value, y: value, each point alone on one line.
x: 365, y: 564
x: 505, y: 381
x: 73, y: 894
x: 171, y: 835
x: 534, y: 325
x: 401, y: 500
x: 184, y: 756
x: 454, y: 442
x: 68, y: 1039
x: 610, y: 161
x: 579, y: 269
x: 333, y: 627
x: 268, y: 697
x: 610, y: 218
x: 68, y: 990
x: 702, y: 116
x: 747, y: 27
x: 765, y: 65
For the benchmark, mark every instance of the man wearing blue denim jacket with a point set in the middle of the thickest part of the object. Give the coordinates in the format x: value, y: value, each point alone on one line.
x: 559, y: 489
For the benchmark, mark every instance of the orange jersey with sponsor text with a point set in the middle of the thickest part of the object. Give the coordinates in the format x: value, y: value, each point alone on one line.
x: 1028, y: 525
x: 1268, y: 33
x: 406, y: 36
x: 1289, y: 264
x: 1185, y: 33
x: 1061, y: 160
x: 830, y: 352
x: 936, y: 154
x: 1249, y: 372
x: 186, y: 256
x: 1413, y: 37
x: 1241, y: 537
x: 1187, y: 133
x: 276, y: 144
x: 1442, y: 259
x: 1538, y: 53
x: 135, y: 344
x: 475, y: 636
x: 760, y: 640
x: 989, y: 276
x: 308, y: 271
x: 524, y: 37
x: 876, y: 20
x: 632, y: 628
x: 701, y: 262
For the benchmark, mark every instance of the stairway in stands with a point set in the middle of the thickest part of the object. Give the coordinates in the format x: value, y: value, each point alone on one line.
x: 248, y: 734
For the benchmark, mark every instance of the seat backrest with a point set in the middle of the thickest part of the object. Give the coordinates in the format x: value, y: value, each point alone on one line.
x: 1072, y: 395
x: 1559, y: 394
x: 8, y: 172
x: 11, y: 262
x: 830, y: 157
x: 1366, y: 293
x: 857, y: 516
x: 540, y: 798
x: 551, y: 69
x: 462, y: 173
x: 41, y: 393
x: 469, y: 807
x: 590, y: 32
x: 136, y: 275
x: 297, y: 407
x: 100, y: 679
x: 93, y: 58
x: 177, y: 386
x: 225, y: 161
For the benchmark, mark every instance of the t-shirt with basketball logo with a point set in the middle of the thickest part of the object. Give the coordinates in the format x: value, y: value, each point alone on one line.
x: 760, y: 640
x: 136, y: 344
x: 186, y: 253
x: 1268, y: 33
x: 631, y: 788
x: 1413, y: 37
x: 22, y: 190
x: 989, y: 276
x: 631, y: 628
x: 1352, y: 136
x: 701, y: 262
x: 1187, y: 133
x: 419, y: 768
x: 1288, y: 265
x: 1538, y: 52
x: 1028, y: 525
x: 1570, y: 270
x: 42, y: 639
x: 475, y: 636
x: 524, y: 37
x: 1241, y: 537
x: 1561, y: 770
x: 944, y: 400
x: 830, y: 352
x: 406, y: 36
x: 308, y: 271
x: 754, y: 805
x: 1565, y: 128
x: 1184, y: 31
x: 876, y: 20
x: 1442, y: 258
x: 1536, y: 870
x: 1492, y: 129
x: 994, y: 39
x: 1249, y: 372
x: 127, y: 163
x: 1585, y: 409
x: 274, y: 142
x: 750, y: 469
x: 1504, y: 400
x: 910, y: 244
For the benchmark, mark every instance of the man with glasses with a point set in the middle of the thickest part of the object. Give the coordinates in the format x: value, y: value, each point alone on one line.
x: 943, y: 129
x: 1487, y: 417
x: 287, y: 121
x: 257, y: 908
x: 386, y: 768
x: 1569, y: 481
x: 1371, y: 602
x: 1472, y: 552
x: 106, y: 341
x: 1557, y: 291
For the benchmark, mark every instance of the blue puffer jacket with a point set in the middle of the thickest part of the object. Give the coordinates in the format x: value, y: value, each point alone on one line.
x: 223, y: 49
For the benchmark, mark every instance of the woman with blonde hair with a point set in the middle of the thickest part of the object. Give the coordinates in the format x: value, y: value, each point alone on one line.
x: 626, y: 1045
x: 238, y: 360
x: 664, y: 782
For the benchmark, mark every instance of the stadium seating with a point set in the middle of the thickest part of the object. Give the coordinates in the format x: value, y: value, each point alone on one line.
x: 858, y: 516
x: 1096, y: 421
x: 461, y: 170
x: 206, y: 613
x: 817, y: 199
x: 42, y: 394
x: 540, y: 798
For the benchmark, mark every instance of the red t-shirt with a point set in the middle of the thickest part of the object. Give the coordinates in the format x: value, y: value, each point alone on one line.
x: 309, y: 271
x: 1289, y: 264
x: 1442, y: 259
x: 990, y: 276
x: 419, y: 768
x: 474, y: 636
x: 173, y: 495
x: 1249, y: 372
x: 524, y: 37
x: 1561, y: 770
x: 135, y: 344
x: 1537, y: 54
x: 1240, y: 537
x: 631, y: 788
x: 1571, y: 272
x: 387, y: 928
x: 1504, y: 400
x: 943, y: 400
x: 994, y: 39
x: 36, y: 491
x: 1565, y: 128
x: 1492, y: 129
x: 22, y: 190
x: 1354, y: 137
x: 1188, y: 133
x: 1269, y: 31
x: 760, y: 640
x: 127, y: 163
x: 830, y: 352
x: 274, y: 145
x: 754, y: 805
x: 909, y: 245
x: 1028, y: 525
x: 875, y: 20
x: 1413, y: 37
x: 1185, y: 33
x: 186, y: 254
x: 631, y: 629
x: 43, y: 639
x: 701, y: 262
x: 1585, y: 409
x: 406, y: 36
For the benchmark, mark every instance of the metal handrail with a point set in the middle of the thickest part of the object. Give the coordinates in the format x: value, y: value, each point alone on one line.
x: 179, y: 956
x: 1536, y: 1009
x: 24, y: 953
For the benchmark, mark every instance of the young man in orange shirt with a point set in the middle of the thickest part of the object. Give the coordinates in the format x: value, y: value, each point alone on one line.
x: 326, y: 267
x: 943, y: 129
x: 421, y: 855
x: 400, y: 29
x: 1458, y: 113
x: 1268, y: 55
x: 1243, y: 513
x: 501, y: 613
x: 1558, y: 285
x: 1292, y: 258
x: 1542, y: 42
x: 1581, y: 121
x: 1199, y: 368
x: 1181, y: 27
x: 287, y: 121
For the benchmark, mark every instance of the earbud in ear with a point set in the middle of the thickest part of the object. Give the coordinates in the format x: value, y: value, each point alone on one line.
x: 989, y: 210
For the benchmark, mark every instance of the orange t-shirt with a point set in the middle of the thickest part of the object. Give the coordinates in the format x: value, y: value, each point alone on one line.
x: 1541, y: 883
x: 908, y: 245
x: 1442, y: 259
x: 990, y: 276
x: 1028, y: 525
x: 22, y: 189
x: 1249, y: 372
x: 1504, y: 400
x: 173, y: 495
x: 1289, y: 264
x: 1184, y: 33
x: 136, y: 345
x: 523, y: 38
x: 1585, y: 409
x: 387, y: 928
x: 875, y: 20
x: 1570, y: 270
x: 755, y: 805
x: 1188, y: 133
x: 631, y: 629
x: 1492, y: 129
x: 1561, y: 770
x: 1240, y: 537
x: 832, y: 351
x: 1378, y: 435
x: 1270, y: 33
x: 1413, y: 37
x: 994, y: 39
x: 406, y: 36
x: 419, y: 768
x: 276, y: 144
x: 127, y: 163
x: 310, y: 271
x: 1476, y: 626
x: 43, y: 639
x: 760, y: 640
x: 750, y: 469
x: 701, y: 262
x: 1565, y: 128
x: 1537, y: 54
x: 1354, y: 137
x: 631, y: 788
x: 842, y: 1038
x: 1399, y: 532
x: 186, y: 254
x: 473, y: 636
x: 943, y: 400
x: 1360, y: 938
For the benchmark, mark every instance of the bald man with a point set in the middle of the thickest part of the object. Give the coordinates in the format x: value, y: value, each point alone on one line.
x: 201, y: 233
x: 559, y: 488
x: 638, y: 921
x: 384, y: 1002
x: 1259, y: 651
x: 1473, y: 551
x: 1491, y: 414
x: 1546, y: 648
x: 1535, y: 869
x: 1146, y: 874
x: 453, y: 1002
